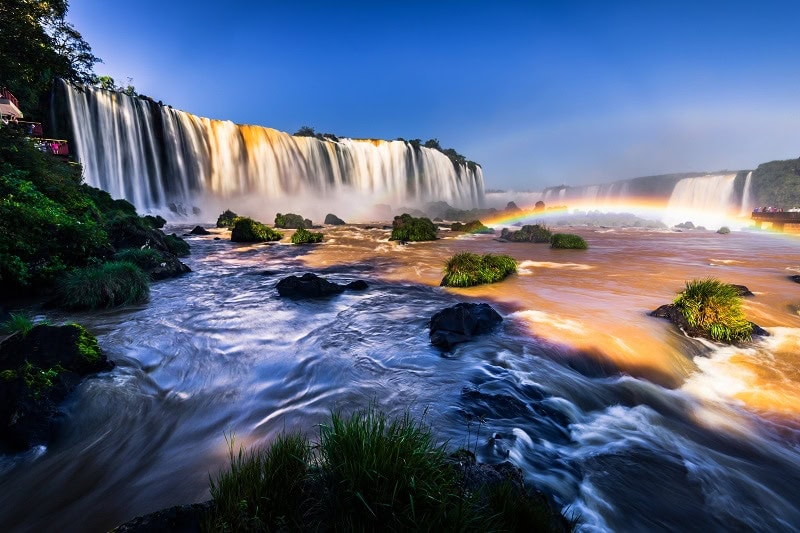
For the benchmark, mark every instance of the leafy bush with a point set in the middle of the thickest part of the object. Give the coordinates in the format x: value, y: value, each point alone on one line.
x: 176, y: 245
x: 303, y: 236
x: 468, y: 269
x: 408, y: 228
x: 107, y: 285
x: 144, y: 258
x: 528, y: 233
x: 475, y: 226
x: 568, y: 240
x: 291, y: 221
x: 227, y: 219
x: 263, y: 489
x: 249, y: 230
x: 155, y: 222
x: 724, y: 230
x: 716, y: 308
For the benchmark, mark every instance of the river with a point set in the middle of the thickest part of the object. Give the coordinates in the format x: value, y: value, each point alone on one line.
x: 624, y: 420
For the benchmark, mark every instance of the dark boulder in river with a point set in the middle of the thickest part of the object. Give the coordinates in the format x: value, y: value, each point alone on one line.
x: 200, y: 230
x: 312, y: 286
x: 38, y: 369
x: 742, y: 290
x: 461, y: 322
x: 333, y: 220
x: 795, y: 278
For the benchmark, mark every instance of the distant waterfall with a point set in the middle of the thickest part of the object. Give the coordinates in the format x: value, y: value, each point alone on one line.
x: 151, y: 155
x: 708, y: 194
x: 747, y: 196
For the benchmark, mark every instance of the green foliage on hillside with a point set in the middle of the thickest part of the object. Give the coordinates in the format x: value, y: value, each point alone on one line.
x: 407, y: 228
x: 468, y: 269
x: 777, y: 184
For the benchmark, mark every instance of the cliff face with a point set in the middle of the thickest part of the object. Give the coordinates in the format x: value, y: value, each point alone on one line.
x: 777, y: 183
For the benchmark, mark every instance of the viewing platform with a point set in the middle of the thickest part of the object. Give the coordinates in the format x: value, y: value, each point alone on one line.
x: 777, y: 219
x: 9, y: 106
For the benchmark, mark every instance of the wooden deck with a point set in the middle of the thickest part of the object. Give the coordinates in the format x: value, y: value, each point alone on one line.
x: 777, y: 220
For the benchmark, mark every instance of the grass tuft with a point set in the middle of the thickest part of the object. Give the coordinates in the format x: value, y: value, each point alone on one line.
x: 144, y: 258
x: 303, y: 236
x: 568, y: 241
x: 176, y: 245
x: 18, y: 323
x: 468, y: 269
x: 107, y: 285
x: 716, y: 308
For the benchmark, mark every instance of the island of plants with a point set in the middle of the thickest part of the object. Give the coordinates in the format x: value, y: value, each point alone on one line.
x: 406, y: 228
x: 248, y: 230
x: 468, y: 269
x: 303, y: 236
x: 528, y: 233
x: 474, y: 226
x: 568, y: 241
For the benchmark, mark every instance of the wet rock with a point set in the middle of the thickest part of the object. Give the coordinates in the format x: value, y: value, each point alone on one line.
x: 741, y: 290
x: 312, y: 286
x: 795, y: 278
x: 332, y: 219
x: 37, y: 371
x: 461, y: 322
x: 180, y: 519
x: 170, y: 267
x: 200, y: 230
x: 217, y: 239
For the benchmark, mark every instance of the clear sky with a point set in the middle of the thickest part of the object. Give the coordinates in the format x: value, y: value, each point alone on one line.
x: 539, y: 93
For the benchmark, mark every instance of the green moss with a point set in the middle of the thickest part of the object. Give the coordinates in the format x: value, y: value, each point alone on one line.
x: 475, y: 226
x: 38, y: 380
x: 249, y: 230
x: 468, y: 269
x: 176, y: 245
x: 8, y: 375
x: 303, y: 236
x: 568, y: 241
x: 290, y: 221
x: 227, y: 219
x: 87, y: 346
x: 107, y: 285
x: 716, y: 309
x: 408, y: 228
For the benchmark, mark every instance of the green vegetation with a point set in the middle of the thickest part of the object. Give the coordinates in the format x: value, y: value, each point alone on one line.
x: 18, y: 323
x: 474, y: 226
x: 528, y: 233
x: 408, y: 228
x: 227, y: 219
x: 715, y: 308
x: 264, y: 489
x: 468, y: 269
x: 724, y: 230
x: 291, y: 221
x: 303, y: 236
x: 367, y: 473
x: 777, y: 184
x: 37, y: 379
x: 105, y: 285
x: 568, y: 240
x: 144, y: 258
x: 86, y: 344
x: 249, y: 230
x: 176, y: 245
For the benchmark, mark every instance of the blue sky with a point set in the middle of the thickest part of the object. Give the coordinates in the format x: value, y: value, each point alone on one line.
x: 539, y: 93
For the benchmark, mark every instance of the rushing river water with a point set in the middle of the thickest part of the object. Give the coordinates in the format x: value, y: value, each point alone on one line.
x: 620, y: 417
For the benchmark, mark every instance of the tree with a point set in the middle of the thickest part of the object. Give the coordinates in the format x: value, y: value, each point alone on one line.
x: 106, y: 82
x: 305, y: 131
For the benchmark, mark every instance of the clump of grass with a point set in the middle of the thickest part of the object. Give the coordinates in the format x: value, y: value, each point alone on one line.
x: 408, y: 228
x: 568, y: 240
x: 249, y: 230
x: 716, y: 308
x: 17, y: 323
x: 264, y: 489
x: 528, y: 233
x: 468, y: 269
x: 513, y: 508
x: 107, y: 285
x: 387, y: 474
x: 176, y: 245
x: 144, y: 258
x: 303, y: 236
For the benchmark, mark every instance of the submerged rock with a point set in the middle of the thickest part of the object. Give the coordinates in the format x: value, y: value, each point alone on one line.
x: 461, y: 322
x: 200, y: 230
x: 312, y: 286
x: 38, y: 369
x: 795, y: 278
x: 741, y: 290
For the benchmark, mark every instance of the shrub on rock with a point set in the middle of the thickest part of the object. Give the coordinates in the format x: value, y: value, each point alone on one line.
x: 303, y: 236
x: 176, y: 245
x: 291, y: 221
x: 156, y: 264
x: 468, y: 269
x: 475, y: 226
x: 568, y: 241
x: 107, y: 285
x: 408, y: 228
x: 227, y: 219
x: 715, y: 308
x: 528, y: 233
x: 249, y: 230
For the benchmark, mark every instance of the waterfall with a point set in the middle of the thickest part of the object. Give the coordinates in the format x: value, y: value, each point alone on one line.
x: 706, y: 200
x: 151, y: 155
x: 746, y: 196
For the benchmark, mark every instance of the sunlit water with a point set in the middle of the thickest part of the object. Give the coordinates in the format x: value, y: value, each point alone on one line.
x: 631, y: 425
